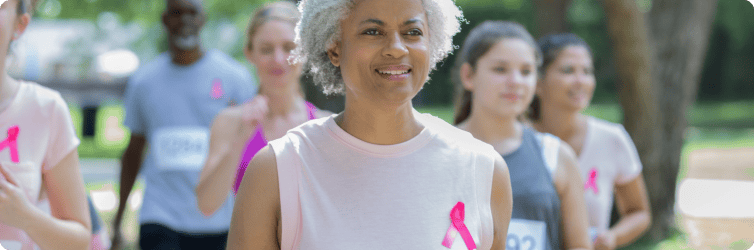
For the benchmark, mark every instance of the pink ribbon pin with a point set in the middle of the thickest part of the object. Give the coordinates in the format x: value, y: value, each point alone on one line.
x: 10, y: 142
x: 592, y: 181
x: 457, y: 226
x: 217, y: 89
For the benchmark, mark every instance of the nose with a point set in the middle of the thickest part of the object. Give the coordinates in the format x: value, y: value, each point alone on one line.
x: 582, y: 78
x: 280, y: 56
x: 395, y: 47
x: 517, y: 78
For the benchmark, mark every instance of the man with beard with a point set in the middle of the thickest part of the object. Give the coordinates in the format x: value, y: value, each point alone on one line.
x: 170, y: 104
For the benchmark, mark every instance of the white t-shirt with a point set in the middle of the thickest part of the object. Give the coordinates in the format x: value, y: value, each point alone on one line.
x: 358, y: 195
x: 608, y: 158
x: 45, y: 136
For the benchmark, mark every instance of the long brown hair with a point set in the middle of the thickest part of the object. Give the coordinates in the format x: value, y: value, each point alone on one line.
x: 551, y: 45
x: 476, y: 45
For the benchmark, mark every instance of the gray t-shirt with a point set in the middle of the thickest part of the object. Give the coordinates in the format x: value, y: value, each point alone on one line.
x: 173, y: 107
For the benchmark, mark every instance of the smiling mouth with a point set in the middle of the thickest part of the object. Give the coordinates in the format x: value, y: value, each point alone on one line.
x: 393, y: 72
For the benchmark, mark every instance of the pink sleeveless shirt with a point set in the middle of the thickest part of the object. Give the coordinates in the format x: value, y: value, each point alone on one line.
x: 256, y: 143
x: 358, y: 195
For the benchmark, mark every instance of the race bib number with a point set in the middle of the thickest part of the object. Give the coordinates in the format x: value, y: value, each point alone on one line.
x: 10, y: 245
x: 526, y: 235
x: 181, y: 149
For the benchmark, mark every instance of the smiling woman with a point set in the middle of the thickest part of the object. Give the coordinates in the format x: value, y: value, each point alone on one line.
x: 379, y: 175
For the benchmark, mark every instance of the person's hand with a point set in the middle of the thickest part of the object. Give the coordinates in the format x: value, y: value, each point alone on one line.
x: 605, y: 241
x: 15, y: 208
x: 254, y: 111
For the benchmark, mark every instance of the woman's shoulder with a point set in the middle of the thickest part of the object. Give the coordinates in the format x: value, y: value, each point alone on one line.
x: 456, y: 137
x: 605, y: 129
x: 35, y: 95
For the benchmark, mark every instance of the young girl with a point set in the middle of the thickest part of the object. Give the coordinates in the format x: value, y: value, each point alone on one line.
x: 42, y: 199
x: 607, y: 157
x: 239, y: 132
x: 496, y: 75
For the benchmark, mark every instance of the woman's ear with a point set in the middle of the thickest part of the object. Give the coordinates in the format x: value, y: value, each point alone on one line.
x: 333, y: 52
x: 467, y: 75
x: 21, y: 23
x: 249, y: 55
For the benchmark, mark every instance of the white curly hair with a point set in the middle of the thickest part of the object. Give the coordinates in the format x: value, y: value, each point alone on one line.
x: 319, y: 27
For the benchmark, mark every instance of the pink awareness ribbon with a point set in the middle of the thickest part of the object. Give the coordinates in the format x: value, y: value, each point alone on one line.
x: 10, y: 142
x: 457, y: 226
x: 592, y: 181
x: 217, y: 89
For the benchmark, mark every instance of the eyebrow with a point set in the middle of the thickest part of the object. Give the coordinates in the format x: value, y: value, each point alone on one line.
x: 381, y: 23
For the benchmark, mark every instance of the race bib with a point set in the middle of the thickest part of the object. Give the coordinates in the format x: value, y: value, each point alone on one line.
x: 10, y: 245
x: 180, y: 148
x: 593, y: 233
x: 526, y: 235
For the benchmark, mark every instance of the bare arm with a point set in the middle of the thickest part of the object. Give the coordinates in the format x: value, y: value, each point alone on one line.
x: 574, y: 222
x: 130, y: 166
x: 502, y: 203
x: 217, y: 176
x: 69, y: 225
x: 256, y: 215
x: 633, y: 206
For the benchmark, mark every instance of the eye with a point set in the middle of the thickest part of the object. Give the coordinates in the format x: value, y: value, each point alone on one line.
x: 371, y: 32
x: 567, y: 70
x: 500, y: 69
x: 266, y: 50
x: 526, y: 72
x: 289, y: 47
x: 415, y: 32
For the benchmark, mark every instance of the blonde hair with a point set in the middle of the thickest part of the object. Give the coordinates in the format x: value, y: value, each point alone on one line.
x: 281, y: 11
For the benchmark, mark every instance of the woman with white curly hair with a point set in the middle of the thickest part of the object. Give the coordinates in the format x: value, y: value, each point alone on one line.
x: 379, y: 175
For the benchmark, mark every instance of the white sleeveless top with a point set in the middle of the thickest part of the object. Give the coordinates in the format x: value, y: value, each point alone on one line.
x: 357, y: 195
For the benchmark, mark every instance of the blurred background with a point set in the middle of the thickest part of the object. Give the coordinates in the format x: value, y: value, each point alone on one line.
x: 681, y: 71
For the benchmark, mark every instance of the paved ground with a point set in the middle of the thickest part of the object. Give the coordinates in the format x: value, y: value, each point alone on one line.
x: 715, y: 224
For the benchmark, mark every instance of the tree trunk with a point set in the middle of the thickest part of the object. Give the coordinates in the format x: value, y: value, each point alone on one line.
x: 680, y: 34
x: 551, y: 16
x: 659, y: 67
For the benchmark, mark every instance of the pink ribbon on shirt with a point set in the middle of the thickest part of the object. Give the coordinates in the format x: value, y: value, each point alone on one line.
x: 10, y: 142
x: 457, y: 226
x: 592, y: 181
x: 217, y: 89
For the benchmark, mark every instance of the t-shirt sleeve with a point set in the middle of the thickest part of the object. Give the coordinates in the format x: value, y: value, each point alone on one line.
x: 63, y: 139
x: 134, y: 118
x: 630, y: 163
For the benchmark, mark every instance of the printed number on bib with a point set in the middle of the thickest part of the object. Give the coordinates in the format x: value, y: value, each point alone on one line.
x: 10, y: 245
x: 180, y: 149
x: 526, y: 235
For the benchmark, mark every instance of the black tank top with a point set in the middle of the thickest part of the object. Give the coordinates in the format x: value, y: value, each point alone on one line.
x: 536, y: 204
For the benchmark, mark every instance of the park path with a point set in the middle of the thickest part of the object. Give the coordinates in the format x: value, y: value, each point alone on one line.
x: 716, y: 199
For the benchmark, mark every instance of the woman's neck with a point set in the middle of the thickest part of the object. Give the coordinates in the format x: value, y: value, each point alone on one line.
x: 560, y: 122
x: 8, y: 89
x: 492, y: 128
x: 284, y: 103
x: 379, y: 124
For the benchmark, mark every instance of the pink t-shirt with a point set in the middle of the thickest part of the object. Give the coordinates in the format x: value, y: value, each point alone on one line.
x: 608, y: 158
x: 36, y: 133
